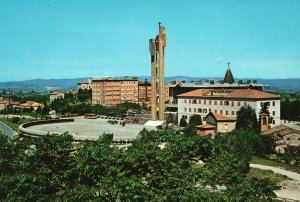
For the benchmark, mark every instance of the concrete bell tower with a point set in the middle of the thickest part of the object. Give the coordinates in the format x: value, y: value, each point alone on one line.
x: 157, y: 53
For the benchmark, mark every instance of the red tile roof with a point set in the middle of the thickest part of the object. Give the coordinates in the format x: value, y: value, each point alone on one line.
x: 220, y: 117
x: 235, y: 93
x: 206, y: 126
x: 55, y: 93
x: 279, y: 131
x: 14, y: 103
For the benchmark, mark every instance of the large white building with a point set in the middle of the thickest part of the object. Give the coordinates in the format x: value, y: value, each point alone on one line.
x: 227, y: 102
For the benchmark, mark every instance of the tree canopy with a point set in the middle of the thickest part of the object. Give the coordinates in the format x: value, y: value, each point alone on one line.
x: 246, y: 118
x: 195, y: 120
x: 158, y: 166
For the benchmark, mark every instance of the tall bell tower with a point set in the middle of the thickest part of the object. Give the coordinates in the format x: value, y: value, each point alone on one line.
x: 157, y: 53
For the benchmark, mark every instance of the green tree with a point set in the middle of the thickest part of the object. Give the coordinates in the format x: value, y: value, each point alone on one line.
x: 195, y: 120
x: 246, y: 118
x: 176, y: 118
x: 158, y: 166
x: 170, y: 118
x: 3, y: 139
x: 183, y: 122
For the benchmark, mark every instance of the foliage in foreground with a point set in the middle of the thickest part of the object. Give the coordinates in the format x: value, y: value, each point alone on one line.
x: 159, y: 166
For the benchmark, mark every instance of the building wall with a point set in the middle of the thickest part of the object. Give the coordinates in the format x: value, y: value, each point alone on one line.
x: 225, y: 127
x: 2, y: 106
x: 53, y: 97
x: 145, y: 93
x: 274, y: 109
x: 292, y: 139
x: 112, y: 92
x: 84, y: 86
x: 228, y: 107
x: 206, y: 132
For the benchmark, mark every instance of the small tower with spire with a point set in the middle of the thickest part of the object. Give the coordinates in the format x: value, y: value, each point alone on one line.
x: 228, y: 76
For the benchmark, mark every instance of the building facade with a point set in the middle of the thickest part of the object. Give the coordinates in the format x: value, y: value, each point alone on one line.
x: 284, y: 136
x: 56, y: 95
x: 144, y: 92
x: 4, y: 102
x: 216, y: 123
x: 85, y: 85
x: 178, y: 87
x: 110, y: 91
x: 227, y: 102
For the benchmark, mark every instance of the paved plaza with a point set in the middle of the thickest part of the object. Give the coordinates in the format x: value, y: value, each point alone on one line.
x: 92, y: 128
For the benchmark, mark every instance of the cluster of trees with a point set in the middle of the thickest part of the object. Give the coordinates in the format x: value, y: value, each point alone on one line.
x: 84, y: 95
x: 26, y: 96
x: 290, y: 110
x: 195, y: 120
x: 246, y: 118
x: 158, y: 166
x: 39, y: 112
x: 70, y: 105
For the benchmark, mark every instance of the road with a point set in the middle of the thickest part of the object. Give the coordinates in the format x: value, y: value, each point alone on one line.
x: 290, y: 188
x: 6, y: 130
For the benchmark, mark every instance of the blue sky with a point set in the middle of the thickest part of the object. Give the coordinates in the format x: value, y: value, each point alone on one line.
x: 71, y: 38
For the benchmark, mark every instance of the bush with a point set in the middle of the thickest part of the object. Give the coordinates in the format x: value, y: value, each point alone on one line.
x: 15, y: 120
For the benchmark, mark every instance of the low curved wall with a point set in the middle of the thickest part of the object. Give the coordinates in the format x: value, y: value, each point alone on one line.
x: 23, y: 130
x: 27, y: 132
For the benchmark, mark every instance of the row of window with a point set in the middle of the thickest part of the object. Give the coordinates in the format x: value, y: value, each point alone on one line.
x: 199, y: 110
x: 215, y: 102
x: 267, y: 103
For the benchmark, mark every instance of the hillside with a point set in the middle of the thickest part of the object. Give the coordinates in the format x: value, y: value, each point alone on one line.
x: 65, y: 84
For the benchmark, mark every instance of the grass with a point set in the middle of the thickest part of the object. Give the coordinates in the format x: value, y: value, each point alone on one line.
x: 267, y: 162
x: 264, y: 174
x: 15, y: 126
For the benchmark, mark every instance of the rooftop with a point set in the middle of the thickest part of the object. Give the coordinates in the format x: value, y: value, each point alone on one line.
x: 279, y: 131
x: 220, y: 117
x: 206, y: 126
x: 234, y: 93
x: 55, y: 93
x: 116, y: 78
x: 200, y: 84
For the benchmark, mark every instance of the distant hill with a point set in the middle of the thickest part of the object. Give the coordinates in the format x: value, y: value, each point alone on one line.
x: 281, y: 84
x: 41, y: 84
x: 65, y: 84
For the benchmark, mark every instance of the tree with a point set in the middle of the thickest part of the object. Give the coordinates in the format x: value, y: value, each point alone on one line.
x: 183, y: 122
x: 3, y: 139
x: 290, y: 110
x: 158, y: 166
x: 195, y: 120
x: 170, y: 118
x: 176, y: 118
x: 246, y: 118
